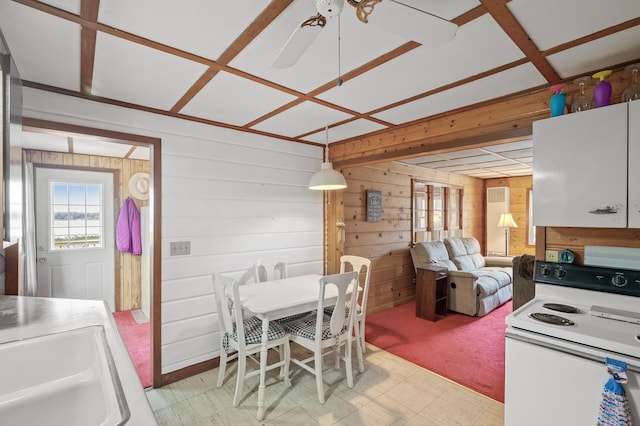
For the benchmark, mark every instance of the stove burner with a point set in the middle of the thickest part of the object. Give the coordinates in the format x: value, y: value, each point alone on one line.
x: 561, y: 308
x: 551, y: 319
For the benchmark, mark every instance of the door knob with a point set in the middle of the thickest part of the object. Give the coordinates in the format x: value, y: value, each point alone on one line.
x: 42, y: 259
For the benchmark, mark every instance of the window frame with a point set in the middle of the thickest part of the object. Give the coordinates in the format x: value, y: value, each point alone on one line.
x: 531, y: 228
x: 58, y: 206
x: 438, y: 205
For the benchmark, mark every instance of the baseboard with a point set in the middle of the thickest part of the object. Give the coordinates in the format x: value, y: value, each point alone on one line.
x: 189, y: 371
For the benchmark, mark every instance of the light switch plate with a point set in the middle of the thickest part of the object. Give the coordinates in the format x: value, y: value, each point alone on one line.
x: 180, y: 248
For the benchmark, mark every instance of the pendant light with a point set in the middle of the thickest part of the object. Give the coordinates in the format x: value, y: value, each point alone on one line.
x: 327, y: 178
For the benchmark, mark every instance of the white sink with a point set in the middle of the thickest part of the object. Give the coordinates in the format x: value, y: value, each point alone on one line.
x: 65, y: 378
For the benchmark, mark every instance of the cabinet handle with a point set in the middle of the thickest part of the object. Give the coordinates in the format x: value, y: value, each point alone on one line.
x: 606, y: 210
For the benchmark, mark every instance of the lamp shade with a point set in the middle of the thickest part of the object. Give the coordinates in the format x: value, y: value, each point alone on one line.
x: 327, y: 179
x: 506, y: 220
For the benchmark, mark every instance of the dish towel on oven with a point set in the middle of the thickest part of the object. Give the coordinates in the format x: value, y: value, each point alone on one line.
x: 614, y: 407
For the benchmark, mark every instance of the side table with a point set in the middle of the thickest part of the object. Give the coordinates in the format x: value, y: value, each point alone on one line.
x: 431, y: 292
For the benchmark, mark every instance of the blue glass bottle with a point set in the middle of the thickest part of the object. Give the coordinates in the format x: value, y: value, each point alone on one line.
x: 558, y: 100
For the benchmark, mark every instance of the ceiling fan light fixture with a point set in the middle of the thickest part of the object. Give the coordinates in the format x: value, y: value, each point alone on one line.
x: 327, y: 179
x: 329, y: 8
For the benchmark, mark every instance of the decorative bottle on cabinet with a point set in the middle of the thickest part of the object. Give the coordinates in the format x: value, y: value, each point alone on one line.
x: 558, y: 100
x: 602, y: 91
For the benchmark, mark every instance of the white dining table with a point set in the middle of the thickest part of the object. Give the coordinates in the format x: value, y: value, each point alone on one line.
x: 272, y: 300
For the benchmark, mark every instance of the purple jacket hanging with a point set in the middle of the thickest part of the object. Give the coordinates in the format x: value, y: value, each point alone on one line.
x: 128, y: 228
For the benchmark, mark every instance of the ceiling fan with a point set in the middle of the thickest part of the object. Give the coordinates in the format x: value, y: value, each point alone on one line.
x: 390, y: 16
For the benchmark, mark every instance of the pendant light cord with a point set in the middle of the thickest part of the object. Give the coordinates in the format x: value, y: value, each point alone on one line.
x: 326, y: 146
x: 339, y: 80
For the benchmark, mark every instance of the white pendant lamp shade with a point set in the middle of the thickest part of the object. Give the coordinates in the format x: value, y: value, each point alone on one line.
x: 327, y: 179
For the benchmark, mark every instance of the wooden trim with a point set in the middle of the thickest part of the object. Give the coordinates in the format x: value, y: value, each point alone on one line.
x: 155, y: 202
x: 425, y: 147
x: 594, y: 36
x: 499, y: 11
x: 192, y: 370
x: 12, y: 269
x: 275, y: 8
x: 156, y: 290
x: 469, y: 16
x: 108, y: 101
x: 541, y: 242
x: 449, y: 86
x: 89, y: 11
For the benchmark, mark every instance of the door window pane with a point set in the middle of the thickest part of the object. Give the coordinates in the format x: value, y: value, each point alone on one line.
x: 76, y: 216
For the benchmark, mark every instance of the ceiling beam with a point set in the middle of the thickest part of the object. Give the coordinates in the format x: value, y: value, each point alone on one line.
x: 67, y: 92
x: 499, y: 11
x: 275, y: 8
x: 89, y: 11
x: 490, y: 122
x: 401, y: 50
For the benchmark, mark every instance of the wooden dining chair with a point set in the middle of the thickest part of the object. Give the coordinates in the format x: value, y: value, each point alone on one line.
x: 270, y: 268
x: 323, y: 334
x: 363, y: 266
x: 244, y: 335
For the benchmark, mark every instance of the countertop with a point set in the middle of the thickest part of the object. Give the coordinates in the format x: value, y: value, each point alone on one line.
x: 23, y: 317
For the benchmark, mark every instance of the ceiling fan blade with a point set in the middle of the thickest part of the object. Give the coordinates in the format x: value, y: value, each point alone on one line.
x: 413, y: 24
x: 299, y: 41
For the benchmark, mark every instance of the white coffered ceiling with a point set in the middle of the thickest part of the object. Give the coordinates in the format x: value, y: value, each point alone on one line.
x: 210, y: 60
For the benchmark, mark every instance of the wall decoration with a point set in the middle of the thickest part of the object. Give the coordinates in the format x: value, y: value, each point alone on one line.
x: 374, y: 206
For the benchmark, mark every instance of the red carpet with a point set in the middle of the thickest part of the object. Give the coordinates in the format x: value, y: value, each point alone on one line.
x: 137, y: 339
x: 467, y: 350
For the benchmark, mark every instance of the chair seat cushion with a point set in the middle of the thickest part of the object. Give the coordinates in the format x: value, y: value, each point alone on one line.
x: 306, y: 326
x: 253, y: 332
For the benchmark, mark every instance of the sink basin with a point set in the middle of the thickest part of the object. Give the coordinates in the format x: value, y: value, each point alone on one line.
x: 65, y: 378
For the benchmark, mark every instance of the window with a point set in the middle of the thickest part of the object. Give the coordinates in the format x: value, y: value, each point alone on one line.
x: 420, y: 211
x: 437, y: 211
x: 76, y: 216
x: 531, y: 229
x: 454, y: 212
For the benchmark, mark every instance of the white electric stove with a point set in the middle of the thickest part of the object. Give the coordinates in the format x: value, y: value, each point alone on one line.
x: 557, y: 344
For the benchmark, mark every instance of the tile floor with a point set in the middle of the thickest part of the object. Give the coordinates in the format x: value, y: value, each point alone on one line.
x: 391, y: 391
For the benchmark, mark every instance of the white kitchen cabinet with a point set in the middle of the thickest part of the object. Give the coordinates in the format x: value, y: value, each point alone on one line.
x: 634, y: 164
x: 580, y: 169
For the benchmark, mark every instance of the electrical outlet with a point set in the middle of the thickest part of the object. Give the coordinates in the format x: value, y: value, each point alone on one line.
x: 551, y: 255
x: 180, y: 248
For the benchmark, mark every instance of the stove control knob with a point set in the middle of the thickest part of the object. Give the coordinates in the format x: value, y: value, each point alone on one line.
x: 545, y: 271
x: 560, y: 273
x: 619, y: 281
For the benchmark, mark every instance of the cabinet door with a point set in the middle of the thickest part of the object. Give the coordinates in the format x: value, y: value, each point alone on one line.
x: 580, y: 169
x: 634, y: 164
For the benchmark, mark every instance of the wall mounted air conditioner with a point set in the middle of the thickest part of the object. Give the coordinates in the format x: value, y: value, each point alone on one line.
x: 497, y: 203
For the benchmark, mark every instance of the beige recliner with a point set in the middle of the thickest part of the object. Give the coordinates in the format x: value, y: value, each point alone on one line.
x: 477, y: 284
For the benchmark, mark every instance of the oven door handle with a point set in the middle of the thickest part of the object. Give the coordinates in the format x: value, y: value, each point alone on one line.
x: 582, y: 354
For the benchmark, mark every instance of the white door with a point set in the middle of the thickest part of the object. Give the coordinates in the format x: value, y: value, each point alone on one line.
x: 75, y: 234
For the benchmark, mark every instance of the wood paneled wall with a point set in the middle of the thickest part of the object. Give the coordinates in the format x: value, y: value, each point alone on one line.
x: 575, y: 239
x: 519, y: 208
x: 387, y: 242
x: 556, y: 238
x: 128, y: 282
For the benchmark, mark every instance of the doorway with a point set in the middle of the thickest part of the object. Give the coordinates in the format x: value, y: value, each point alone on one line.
x: 74, y: 234
x: 73, y: 152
